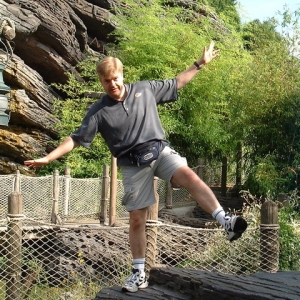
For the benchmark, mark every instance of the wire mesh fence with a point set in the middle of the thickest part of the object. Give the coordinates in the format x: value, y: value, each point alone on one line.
x: 76, y: 262
x: 76, y: 256
x: 80, y: 199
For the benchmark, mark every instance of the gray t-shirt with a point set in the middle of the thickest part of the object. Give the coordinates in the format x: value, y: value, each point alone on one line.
x: 125, y: 124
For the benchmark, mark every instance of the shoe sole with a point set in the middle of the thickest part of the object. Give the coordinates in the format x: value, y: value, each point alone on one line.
x: 142, y: 286
x: 239, y: 227
x: 131, y: 291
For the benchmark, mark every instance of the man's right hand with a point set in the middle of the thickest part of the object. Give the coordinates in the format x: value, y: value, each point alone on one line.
x: 65, y: 147
x: 32, y: 164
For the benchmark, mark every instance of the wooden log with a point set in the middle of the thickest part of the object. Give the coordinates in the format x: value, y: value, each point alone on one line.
x: 113, y: 192
x: 14, y: 248
x: 269, y: 237
x: 104, y: 196
x: 183, y: 284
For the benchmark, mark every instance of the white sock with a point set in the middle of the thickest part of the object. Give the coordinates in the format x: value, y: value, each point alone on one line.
x: 219, y: 215
x: 139, y: 263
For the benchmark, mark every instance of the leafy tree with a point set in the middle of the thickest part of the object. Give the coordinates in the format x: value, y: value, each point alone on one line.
x: 227, y: 10
x: 270, y: 129
x: 289, y: 256
x: 158, y: 42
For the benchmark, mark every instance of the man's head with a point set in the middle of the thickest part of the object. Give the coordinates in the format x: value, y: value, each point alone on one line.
x: 110, y: 73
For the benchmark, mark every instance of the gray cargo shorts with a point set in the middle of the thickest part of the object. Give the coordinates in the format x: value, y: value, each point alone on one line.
x: 138, y: 181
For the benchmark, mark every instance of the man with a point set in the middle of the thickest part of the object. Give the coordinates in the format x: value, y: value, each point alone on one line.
x: 127, y: 118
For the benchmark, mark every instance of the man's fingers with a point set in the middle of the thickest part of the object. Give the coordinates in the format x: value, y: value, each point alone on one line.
x: 215, y: 53
x: 29, y: 163
x: 32, y: 164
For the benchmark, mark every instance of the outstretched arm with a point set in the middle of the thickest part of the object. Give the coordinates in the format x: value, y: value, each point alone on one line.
x: 207, y: 56
x: 65, y: 147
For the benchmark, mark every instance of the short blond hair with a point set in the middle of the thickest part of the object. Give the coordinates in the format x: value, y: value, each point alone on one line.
x: 109, y: 65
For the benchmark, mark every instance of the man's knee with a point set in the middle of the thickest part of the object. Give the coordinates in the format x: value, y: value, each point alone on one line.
x: 137, y: 219
x: 185, y: 177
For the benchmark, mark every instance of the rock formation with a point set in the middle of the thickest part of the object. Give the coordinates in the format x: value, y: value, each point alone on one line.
x: 51, y: 39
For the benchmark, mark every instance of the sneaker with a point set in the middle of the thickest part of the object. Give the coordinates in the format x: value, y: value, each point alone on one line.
x: 136, y: 281
x: 234, y: 226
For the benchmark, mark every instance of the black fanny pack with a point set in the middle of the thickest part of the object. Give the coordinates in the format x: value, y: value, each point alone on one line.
x: 145, y: 153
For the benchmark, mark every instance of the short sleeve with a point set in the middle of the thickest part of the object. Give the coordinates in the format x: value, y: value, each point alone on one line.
x: 164, y: 90
x: 85, y: 134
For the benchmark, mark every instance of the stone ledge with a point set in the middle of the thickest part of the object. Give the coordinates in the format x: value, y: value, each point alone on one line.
x: 156, y: 292
x: 175, y: 283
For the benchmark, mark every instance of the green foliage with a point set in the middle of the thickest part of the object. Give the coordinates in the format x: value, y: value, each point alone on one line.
x: 263, y: 178
x: 227, y: 11
x: 221, y: 257
x: 268, y: 98
x: 289, y: 258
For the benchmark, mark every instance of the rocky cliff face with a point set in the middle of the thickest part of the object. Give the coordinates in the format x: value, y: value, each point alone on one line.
x: 51, y: 39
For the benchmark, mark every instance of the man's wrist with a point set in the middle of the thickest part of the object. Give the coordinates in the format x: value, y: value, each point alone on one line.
x: 48, y: 158
x: 198, y: 66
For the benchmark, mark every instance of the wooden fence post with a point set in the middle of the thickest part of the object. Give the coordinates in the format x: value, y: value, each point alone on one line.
x: 169, y: 197
x: 17, y: 187
x: 151, y: 231
x: 113, y: 192
x: 55, y: 219
x: 283, y: 199
x: 224, y: 177
x: 14, y: 247
x: 269, y: 237
x: 104, y: 194
x: 200, y: 170
x: 67, y: 192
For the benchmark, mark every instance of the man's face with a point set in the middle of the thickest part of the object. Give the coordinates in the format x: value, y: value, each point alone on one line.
x: 113, y: 85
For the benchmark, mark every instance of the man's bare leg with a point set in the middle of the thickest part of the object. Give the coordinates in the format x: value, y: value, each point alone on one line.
x: 137, y: 239
x: 204, y: 196
x: 137, y: 236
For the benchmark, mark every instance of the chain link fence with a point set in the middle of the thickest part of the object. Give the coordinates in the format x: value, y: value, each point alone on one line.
x: 80, y: 199
x: 48, y: 261
x: 73, y: 256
